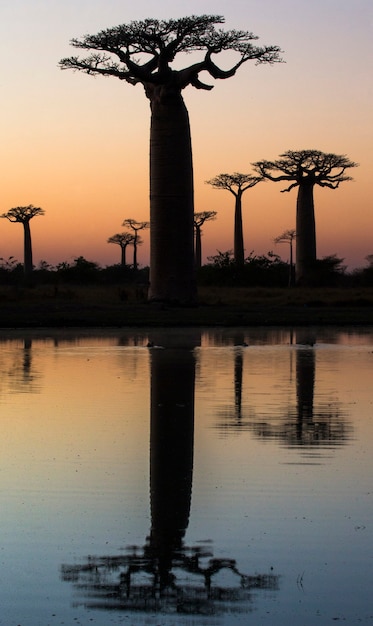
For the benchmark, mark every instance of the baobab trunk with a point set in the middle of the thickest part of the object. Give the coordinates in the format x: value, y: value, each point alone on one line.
x: 171, y: 448
x: 239, y: 252
x: 172, y: 272
x: 123, y: 256
x: 135, y: 253
x: 198, y: 251
x: 28, y: 264
x: 305, y: 257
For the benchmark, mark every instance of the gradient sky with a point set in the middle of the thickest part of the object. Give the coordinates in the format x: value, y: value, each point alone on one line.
x: 77, y: 146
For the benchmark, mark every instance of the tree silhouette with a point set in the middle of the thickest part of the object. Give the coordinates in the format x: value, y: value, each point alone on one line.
x: 199, y: 220
x: 23, y: 215
x: 142, y: 52
x: 236, y: 183
x: 313, y: 421
x: 166, y: 576
x: 288, y: 237
x: 135, y: 226
x: 305, y: 169
x: 122, y: 240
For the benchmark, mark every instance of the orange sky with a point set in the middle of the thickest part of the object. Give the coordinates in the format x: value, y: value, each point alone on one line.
x: 78, y: 146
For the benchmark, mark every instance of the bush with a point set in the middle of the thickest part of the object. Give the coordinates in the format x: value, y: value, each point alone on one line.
x: 263, y: 270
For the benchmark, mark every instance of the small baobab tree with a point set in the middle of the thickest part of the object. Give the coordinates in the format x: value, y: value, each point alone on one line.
x: 305, y: 169
x: 288, y: 236
x: 135, y: 226
x: 23, y: 215
x: 143, y: 53
x: 236, y: 183
x: 122, y: 240
x: 199, y: 220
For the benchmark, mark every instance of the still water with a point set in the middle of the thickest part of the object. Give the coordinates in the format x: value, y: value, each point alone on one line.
x: 220, y: 477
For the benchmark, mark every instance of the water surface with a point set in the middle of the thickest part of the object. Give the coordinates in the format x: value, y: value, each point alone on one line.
x: 219, y: 477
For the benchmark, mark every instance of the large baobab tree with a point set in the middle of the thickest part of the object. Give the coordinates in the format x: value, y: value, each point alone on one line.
x: 305, y: 169
x: 199, y: 220
x: 236, y: 183
x: 23, y: 215
x: 142, y: 52
x: 135, y: 226
x: 288, y: 236
x: 122, y: 240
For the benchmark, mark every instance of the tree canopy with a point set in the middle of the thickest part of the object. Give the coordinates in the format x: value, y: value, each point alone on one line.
x: 143, y: 51
x: 23, y: 214
x: 122, y: 239
x: 204, y: 216
x: 236, y: 183
x: 307, y: 166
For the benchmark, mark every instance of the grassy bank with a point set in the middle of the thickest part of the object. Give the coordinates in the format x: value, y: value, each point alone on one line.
x: 118, y: 306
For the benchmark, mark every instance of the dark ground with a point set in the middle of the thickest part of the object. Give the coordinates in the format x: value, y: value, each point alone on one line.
x: 117, y: 307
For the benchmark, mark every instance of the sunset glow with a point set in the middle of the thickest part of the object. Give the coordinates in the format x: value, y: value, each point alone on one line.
x: 78, y: 146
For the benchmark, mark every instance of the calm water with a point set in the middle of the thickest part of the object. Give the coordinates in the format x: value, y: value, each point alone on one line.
x: 220, y: 477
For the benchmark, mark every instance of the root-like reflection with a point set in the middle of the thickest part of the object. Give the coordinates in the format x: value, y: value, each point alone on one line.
x: 165, y: 575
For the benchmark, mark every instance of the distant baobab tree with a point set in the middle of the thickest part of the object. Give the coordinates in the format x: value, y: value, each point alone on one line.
x: 23, y: 215
x: 135, y: 226
x: 305, y: 169
x: 236, y: 183
x: 199, y: 220
x: 288, y: 236
x: 142, y: 52
x: 122, y: 240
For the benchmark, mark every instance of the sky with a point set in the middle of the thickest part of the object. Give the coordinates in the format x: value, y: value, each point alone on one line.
x: 78, y: 146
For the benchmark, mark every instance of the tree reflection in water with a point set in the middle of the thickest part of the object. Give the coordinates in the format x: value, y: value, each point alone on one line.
x: 17, y: 370
x: 305, y: 424
x: 165, y: 575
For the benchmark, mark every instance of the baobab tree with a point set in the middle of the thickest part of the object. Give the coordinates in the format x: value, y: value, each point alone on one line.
x: 236, y: 183
x: 135, y: 226
x: 122, y: 240
x: 23, y: 215
x: 142, y: 52
x: 305, y: 169
x: 199, y: 220
x: 288, y: 236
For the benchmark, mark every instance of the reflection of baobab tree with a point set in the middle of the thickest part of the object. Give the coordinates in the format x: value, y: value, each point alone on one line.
x: 165, y: 575
x: 231, y: 415
x: 19, y: 372
x: 308, y: 423
x: 238, y: 375
x: 320, y: 423
x: 312, y: 423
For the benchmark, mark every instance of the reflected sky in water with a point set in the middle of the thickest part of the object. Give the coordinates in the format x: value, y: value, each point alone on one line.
x: 222, y: 476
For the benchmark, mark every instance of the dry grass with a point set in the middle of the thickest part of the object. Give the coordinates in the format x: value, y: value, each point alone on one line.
x: 100, y: 305
x: 262, y: 296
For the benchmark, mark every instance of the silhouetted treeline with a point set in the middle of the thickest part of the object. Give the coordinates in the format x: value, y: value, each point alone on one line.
x: 80, y: 271
x: 266, y: 270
